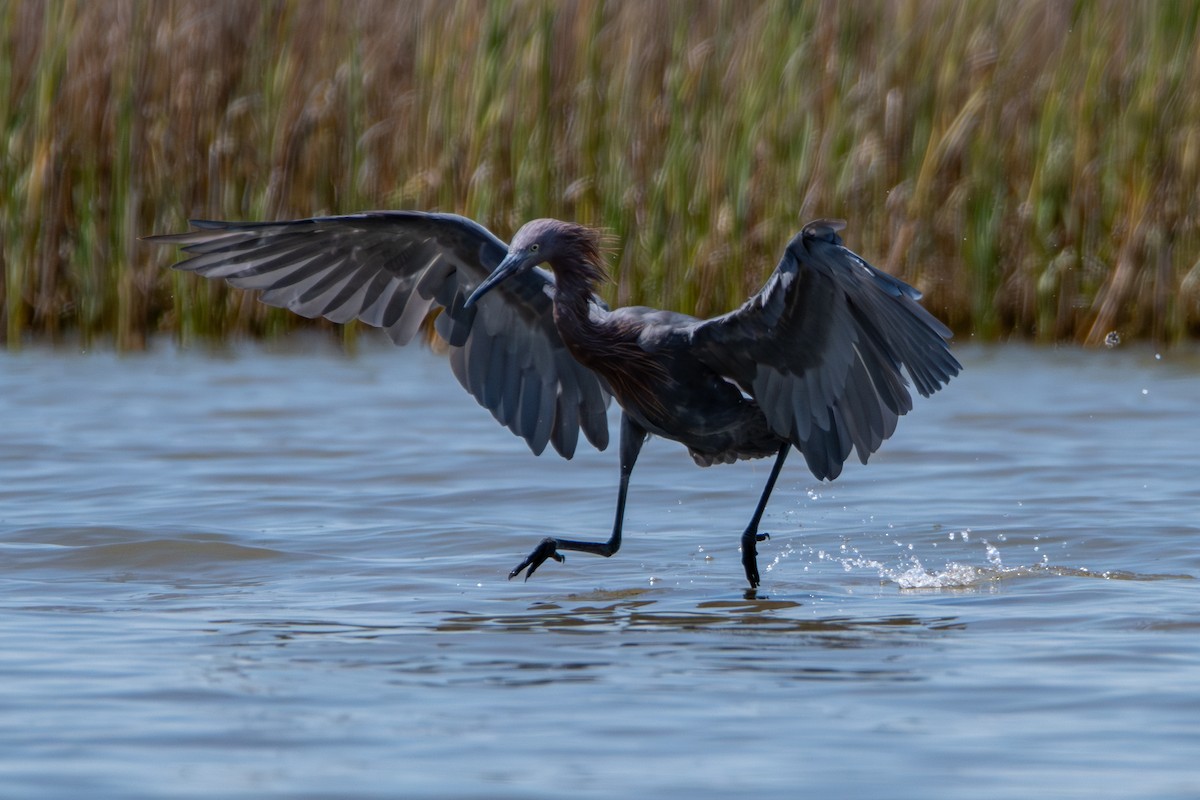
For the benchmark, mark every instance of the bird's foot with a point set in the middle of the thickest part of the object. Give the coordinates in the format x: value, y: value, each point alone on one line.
x: 547, y: 548
x: 750, y: 556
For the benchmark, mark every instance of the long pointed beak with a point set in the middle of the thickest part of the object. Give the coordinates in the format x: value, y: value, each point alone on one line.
x: 510, y: 266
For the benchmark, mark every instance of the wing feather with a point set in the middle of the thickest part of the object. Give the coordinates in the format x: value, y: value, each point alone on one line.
x: 823, y: 349
x: 392, y: 269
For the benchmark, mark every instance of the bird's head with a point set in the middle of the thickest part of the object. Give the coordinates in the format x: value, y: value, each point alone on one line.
x: 565, y: 246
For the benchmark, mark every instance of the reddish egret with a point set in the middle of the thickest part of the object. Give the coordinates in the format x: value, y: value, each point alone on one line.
x: 813, y: 361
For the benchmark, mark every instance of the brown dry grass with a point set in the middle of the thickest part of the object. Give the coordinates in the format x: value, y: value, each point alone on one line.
x: 1032, y: 166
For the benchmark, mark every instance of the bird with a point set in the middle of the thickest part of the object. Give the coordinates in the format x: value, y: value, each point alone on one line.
x: 814, y: 361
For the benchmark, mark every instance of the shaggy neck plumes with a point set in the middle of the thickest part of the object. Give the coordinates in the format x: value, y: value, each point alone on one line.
x: 578, y: 262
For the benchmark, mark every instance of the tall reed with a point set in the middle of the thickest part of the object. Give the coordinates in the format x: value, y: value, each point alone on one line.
x: 1032, y: 166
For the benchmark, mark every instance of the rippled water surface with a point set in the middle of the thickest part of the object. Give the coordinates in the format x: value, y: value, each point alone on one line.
x: 266, y: 573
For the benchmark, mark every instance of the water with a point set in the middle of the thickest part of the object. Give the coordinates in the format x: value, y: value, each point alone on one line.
x: 281, y: 573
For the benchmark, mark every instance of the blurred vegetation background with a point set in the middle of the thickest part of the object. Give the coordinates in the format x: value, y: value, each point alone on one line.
x: 1031, y: 166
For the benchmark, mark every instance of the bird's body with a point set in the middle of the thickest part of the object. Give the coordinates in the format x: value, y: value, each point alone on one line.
x: 644, y: 358
x: 672, y: 393
x: 812, y: 361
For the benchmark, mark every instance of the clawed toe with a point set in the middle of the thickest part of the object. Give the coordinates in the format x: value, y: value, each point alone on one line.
x: 547, y: 548
x: 752, y: 573
x: 750, y: 556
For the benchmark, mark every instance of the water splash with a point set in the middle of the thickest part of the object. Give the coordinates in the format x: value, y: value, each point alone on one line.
x: 783, y: 552
x: 913, y: 574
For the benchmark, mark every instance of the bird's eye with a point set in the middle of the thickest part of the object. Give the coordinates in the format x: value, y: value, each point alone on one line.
x: 533, y: 248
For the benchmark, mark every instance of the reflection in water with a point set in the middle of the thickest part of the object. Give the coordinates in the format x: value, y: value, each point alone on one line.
x: 577, y: 614
x: 601, y: 632
x: 633, y: 616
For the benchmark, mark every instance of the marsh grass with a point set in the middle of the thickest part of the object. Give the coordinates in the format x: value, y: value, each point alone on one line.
x: 1032, y: 166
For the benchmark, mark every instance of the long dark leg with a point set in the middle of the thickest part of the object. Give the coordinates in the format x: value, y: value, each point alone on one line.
x: 632, y: 438
x: 751, y: 536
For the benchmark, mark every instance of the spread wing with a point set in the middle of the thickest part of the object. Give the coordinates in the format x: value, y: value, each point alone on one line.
x: 390, y: 269
x: 822, y: 346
